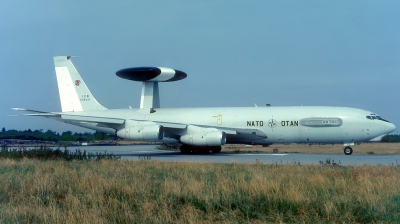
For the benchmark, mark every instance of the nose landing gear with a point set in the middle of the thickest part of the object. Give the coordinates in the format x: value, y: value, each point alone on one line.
x: 348, y: 150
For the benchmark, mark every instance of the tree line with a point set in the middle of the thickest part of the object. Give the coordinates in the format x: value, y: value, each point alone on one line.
x: 391, y: 138
x: 50, y: 135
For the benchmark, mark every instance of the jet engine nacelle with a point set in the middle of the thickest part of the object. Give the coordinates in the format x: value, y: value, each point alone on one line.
x: 216, y: 138
x: 138, y: 131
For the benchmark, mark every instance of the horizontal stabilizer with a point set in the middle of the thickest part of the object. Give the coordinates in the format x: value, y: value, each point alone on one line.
x: 23, y: 109
x: 36, y: 113
x: 46, y: 115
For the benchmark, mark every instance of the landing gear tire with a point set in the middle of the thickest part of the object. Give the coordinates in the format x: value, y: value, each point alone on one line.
x: 348, y: 150
x: 191, y: 149
x: 185, y: 149
x: 216, y: 149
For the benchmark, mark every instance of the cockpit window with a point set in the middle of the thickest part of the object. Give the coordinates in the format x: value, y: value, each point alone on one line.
x: 375, y: 117
x: 383, y: 119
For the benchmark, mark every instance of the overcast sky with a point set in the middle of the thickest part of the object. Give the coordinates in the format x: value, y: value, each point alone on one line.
x: 236, y: 53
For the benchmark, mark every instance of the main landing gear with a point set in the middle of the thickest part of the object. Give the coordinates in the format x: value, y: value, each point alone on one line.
x: 191, y: 149
x: 348, y: 150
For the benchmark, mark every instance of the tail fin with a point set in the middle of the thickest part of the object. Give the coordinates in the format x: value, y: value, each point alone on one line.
x: 74, y: 94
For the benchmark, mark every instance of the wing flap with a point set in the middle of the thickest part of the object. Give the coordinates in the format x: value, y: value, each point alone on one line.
x: 171, y: 125
x: 256, y: 132
x: 90, y: 119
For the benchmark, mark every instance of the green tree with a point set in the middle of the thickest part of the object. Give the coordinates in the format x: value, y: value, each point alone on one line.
x: 67, y: 136
x: 100, y: 136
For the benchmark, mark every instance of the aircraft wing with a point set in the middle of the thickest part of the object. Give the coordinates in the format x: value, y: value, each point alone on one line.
x: 116, y: 122
x: 112, y: 122
x: 237, y: 131
x: 227, y: 130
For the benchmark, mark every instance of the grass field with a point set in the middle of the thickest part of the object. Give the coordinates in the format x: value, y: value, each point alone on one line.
x: 33, y: 191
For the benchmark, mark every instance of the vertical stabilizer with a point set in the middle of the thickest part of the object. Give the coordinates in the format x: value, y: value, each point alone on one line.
x: 74, y: 94
x: 150, y: 97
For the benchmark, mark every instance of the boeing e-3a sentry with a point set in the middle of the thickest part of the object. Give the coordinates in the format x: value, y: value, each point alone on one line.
x: 206, y: 129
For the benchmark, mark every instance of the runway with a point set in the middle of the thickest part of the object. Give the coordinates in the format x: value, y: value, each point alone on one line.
x: 141, y: 152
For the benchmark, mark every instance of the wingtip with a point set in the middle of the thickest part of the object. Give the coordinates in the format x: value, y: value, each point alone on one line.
x: 17, y: 108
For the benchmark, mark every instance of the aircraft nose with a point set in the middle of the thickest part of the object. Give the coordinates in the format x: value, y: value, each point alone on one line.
x: 390, y: 127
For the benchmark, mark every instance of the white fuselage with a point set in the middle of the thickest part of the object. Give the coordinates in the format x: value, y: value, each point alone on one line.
x: 304, y: 124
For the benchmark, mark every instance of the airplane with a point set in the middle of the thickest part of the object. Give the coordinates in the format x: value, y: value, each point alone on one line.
x: 206, y: 129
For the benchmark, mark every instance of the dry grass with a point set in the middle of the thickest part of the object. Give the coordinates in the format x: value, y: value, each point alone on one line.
x: 34, y: 191
x: 363, y: 148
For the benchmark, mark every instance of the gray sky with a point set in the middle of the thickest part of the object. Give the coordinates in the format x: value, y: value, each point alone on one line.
x: 322, y: 53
